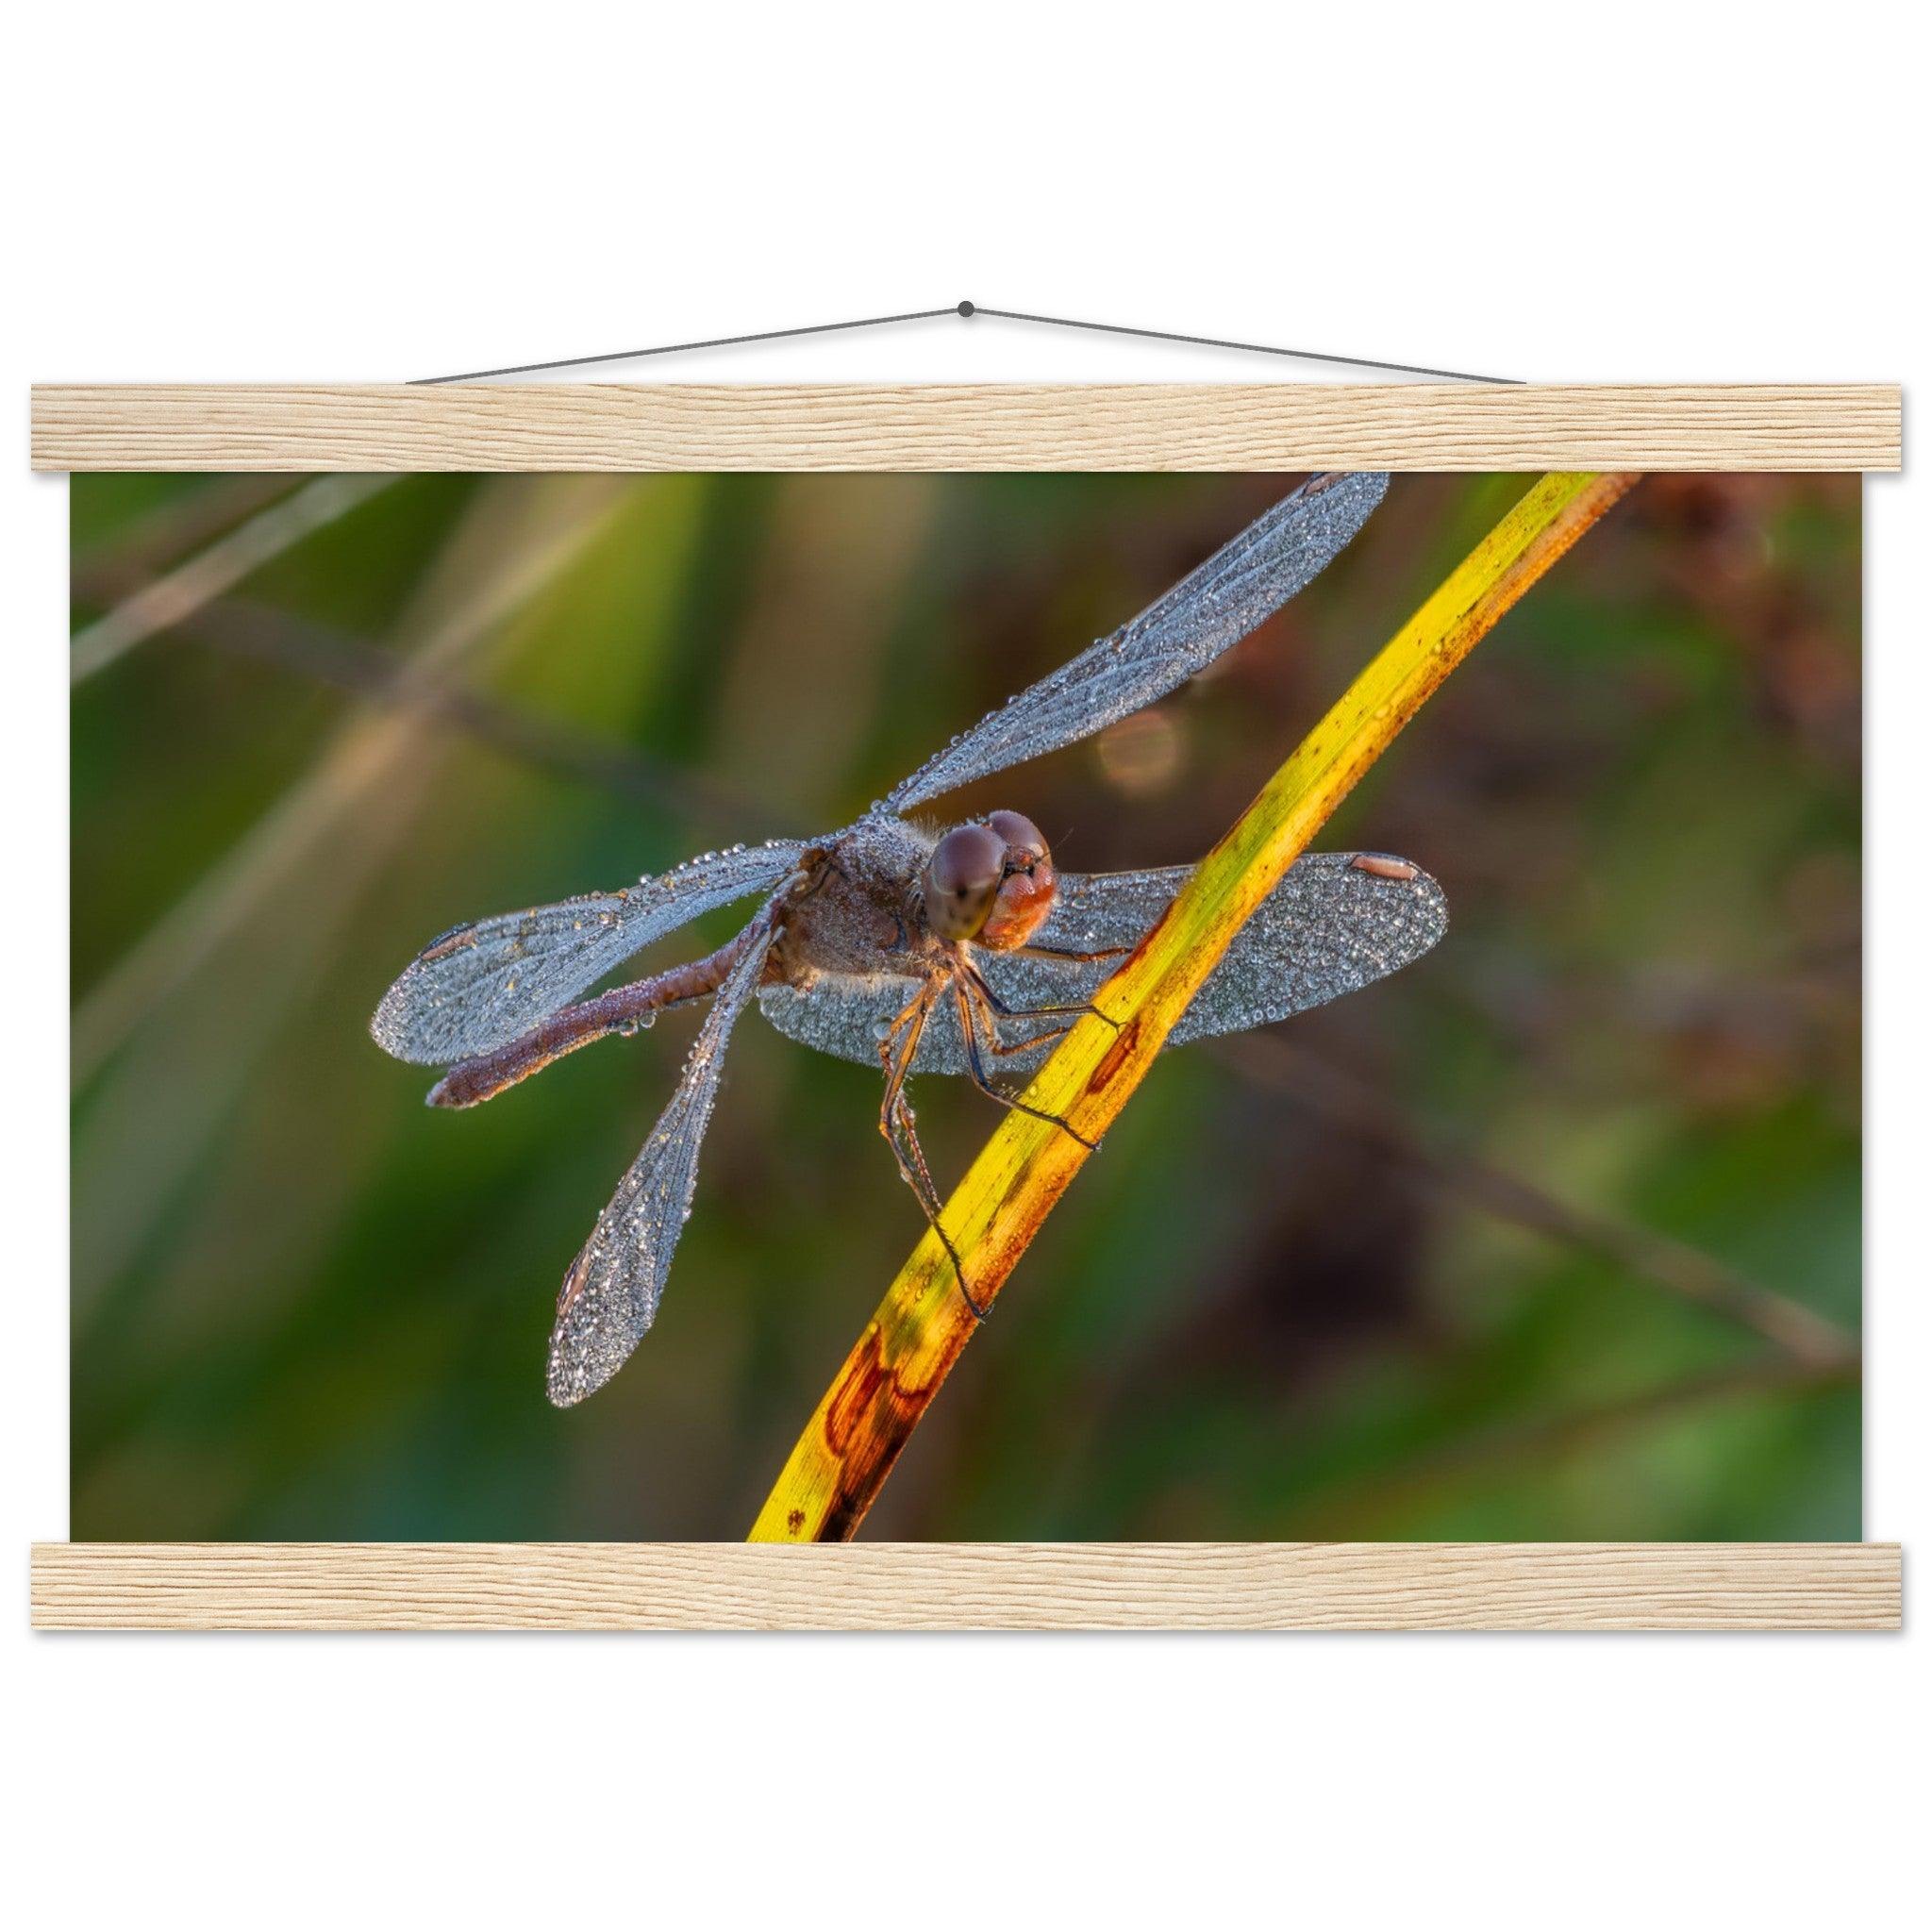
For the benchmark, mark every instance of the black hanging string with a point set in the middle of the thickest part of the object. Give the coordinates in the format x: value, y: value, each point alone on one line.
x: 966, y: 310
x: 768, y: 335
x: 1161, y: 335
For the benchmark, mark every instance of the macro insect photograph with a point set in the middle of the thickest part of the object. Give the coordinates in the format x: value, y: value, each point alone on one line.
x: 966, y: 1007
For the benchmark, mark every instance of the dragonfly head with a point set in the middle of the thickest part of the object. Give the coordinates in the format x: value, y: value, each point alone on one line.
x: 992, y: 882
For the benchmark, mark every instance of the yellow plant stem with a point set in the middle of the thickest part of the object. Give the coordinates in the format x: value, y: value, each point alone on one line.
x: 897, y: 1367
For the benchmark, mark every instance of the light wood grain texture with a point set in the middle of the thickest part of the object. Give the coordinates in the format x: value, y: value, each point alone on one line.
x: 1142, y: 426
x: 967, y: 1586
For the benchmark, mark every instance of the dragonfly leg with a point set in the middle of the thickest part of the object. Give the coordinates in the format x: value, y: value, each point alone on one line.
x: 928, y: 1196
x: 969, y: 1016
x: 1007, y: 1012
x: 623, y: 1009
x: 1033, y: 952
x: 1000, y: 1049
x: 901, y: 1134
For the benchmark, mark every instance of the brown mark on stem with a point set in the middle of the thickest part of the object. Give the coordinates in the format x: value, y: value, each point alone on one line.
x: 1125, y: 1041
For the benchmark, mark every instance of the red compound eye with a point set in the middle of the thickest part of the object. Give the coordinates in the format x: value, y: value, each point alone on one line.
x: 1020, y: 837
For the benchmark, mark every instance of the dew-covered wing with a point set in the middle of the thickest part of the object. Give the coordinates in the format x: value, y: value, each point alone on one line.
x: 1331, y: 926
x: 1207, y: 612
x: 611, y: 1292
x: 480, y: 986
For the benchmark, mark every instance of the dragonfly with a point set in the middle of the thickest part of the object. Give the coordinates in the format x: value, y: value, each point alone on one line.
x: 922, y: 947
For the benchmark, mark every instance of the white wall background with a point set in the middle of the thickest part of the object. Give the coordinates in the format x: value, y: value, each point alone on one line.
x: 216, y: 191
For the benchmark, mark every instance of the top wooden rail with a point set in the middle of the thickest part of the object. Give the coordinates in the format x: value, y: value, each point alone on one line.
x: 972, y: 426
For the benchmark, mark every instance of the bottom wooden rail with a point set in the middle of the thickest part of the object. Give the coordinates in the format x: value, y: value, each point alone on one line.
x: 967, y: 1586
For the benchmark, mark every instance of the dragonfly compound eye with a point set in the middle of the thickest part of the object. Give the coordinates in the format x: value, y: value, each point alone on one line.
x: 961, y: 878
x: 1027, y: 885
x: 1025, y: 845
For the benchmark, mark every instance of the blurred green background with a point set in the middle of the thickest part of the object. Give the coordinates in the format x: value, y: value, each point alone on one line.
x: 1553, y: 1235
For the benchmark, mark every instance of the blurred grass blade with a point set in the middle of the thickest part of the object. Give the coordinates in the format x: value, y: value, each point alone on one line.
x: 506, y: 550
x: 896, y: 1368
x: 180, y: 1019
x: 217, y: 570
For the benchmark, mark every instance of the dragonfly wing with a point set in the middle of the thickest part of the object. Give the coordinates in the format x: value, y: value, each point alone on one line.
x: 1329, y: 928
x: 611, y: 1295
x: 843, y: 1014
x: 481, y: 986
x: 846, y: 1016
x: 1207, y: 612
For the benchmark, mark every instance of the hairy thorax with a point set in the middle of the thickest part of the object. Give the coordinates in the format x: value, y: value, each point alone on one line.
x: 858, y: 909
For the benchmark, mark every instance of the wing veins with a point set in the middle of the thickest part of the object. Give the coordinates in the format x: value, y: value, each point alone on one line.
x: 477, y: 987
x: 611, y: 1292
x: 1179, y: 633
